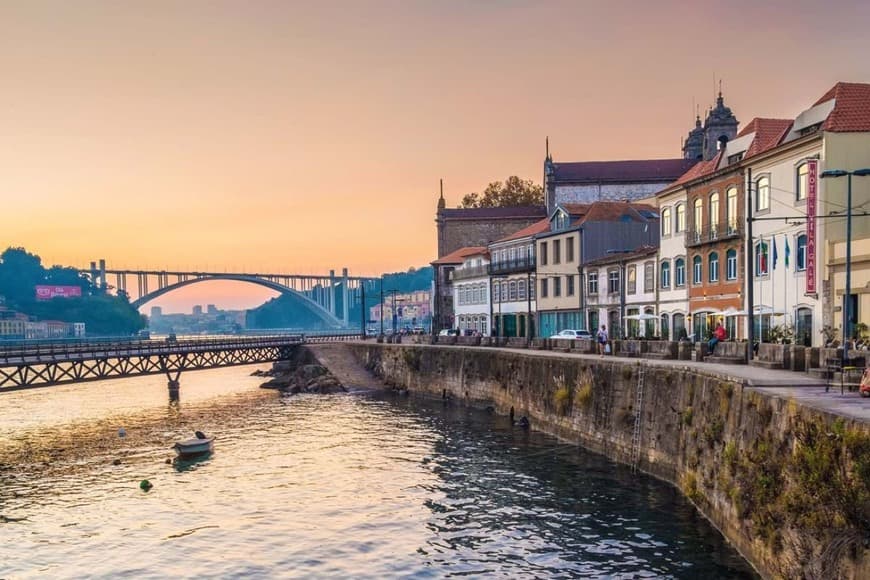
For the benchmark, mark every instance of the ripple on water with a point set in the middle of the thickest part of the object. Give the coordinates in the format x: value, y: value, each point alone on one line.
x: 332, y: 486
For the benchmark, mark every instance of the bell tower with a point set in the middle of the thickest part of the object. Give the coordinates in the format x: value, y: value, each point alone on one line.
x: 719, y: 128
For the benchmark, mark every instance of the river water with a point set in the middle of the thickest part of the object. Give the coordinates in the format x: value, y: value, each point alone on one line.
x: 340, y: 486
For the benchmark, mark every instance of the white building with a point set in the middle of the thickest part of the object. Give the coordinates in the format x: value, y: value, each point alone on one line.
x: 621, y: 293
x: 472, y: 306
x: 800, y: 278
x: 512, y: 271
x: 673, y: 298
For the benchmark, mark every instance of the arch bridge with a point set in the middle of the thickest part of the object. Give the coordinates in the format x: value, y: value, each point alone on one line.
x: 329, y: 297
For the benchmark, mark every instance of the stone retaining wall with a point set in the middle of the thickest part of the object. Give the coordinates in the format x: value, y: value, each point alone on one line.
x: 789, y: 486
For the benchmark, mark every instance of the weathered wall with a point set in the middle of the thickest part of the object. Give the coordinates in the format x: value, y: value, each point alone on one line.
x: 786, y: 484
x: 454, y: 234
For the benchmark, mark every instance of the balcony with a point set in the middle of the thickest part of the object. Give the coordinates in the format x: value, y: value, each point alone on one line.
x: 469, y: 272
x: 513, y: 266
x: 713, y: 233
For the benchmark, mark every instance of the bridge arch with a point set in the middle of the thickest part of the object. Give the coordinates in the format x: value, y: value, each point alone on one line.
x: 322, y: 313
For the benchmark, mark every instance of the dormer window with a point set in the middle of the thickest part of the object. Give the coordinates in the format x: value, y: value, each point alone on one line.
x: 561, y: 221
x: 732, y: 159
x: 810, y: 129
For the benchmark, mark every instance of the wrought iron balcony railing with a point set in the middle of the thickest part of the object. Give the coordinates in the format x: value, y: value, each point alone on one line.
x: 713, y: 233
x: 469, y: 272
x: 513, y: 266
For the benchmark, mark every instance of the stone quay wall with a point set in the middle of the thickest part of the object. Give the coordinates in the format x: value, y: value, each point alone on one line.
x: 786, y: 484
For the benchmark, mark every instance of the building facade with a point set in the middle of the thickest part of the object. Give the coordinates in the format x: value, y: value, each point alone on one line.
x: 579, y: 234
x: 512, y: 272
x: 472, y: 306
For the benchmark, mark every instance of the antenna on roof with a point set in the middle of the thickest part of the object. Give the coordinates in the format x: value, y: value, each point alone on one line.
x: 441, y: 184
x: 720, y: 87
x: 547, y: 146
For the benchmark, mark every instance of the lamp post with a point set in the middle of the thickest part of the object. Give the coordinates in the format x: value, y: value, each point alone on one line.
x: 381, y: 307
x: 847, y: 295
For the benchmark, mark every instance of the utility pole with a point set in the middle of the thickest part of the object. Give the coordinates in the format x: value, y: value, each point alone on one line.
x: 750, y: 269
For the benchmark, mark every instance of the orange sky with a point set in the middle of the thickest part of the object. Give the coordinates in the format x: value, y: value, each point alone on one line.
x: 303, y: 136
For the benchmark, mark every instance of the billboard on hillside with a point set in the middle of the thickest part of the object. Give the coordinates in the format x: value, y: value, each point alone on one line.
x: 49, y: 292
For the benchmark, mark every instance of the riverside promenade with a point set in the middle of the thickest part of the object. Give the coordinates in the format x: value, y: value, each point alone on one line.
x: 783, y: 384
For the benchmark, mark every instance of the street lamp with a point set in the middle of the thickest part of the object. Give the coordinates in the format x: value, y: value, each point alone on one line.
x: 848, y: 292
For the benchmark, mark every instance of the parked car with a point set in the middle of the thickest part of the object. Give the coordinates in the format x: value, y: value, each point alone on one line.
x: 448, y: 332
x: 573, y: 335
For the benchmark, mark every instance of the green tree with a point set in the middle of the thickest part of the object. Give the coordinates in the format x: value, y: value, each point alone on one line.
x: 20, y: 272
x: 513, y: 192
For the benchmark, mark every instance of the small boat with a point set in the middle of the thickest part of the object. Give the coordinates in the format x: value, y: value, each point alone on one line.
x: 196, y: 446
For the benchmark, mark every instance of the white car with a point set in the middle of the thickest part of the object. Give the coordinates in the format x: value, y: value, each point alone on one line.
x: 573, y: 335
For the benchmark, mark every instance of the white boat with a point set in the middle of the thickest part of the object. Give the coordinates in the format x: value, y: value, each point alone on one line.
x: 195, y: 446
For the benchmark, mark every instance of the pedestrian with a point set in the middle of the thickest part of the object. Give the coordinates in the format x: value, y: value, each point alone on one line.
x: 718, y: 336
x: 602, y: 339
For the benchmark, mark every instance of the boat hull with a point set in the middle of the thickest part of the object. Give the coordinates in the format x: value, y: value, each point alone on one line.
x: 193, y: 447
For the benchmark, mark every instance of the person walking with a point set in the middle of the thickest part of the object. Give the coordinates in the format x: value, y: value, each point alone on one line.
x: 718, y: 336
x: 602, y: 340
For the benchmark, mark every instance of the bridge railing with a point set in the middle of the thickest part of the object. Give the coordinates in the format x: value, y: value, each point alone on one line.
x: 18, y: 354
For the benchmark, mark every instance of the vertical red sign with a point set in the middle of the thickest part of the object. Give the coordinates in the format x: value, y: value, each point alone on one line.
x: 812, y: 193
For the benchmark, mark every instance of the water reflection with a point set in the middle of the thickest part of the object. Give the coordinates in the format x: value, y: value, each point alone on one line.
x: 329, y: 486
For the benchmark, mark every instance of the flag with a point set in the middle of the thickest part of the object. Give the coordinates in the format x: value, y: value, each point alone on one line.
x: 775, y: 256
x: 787, y: 252
x: 762, y: 257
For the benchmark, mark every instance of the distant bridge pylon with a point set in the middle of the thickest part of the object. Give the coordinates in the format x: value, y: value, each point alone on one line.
x: 329, y: 297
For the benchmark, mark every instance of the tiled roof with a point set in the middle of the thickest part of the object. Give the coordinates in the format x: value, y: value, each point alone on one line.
x: 458, y: 256
x: 768, y: 134
x: 535, y: 228
x: 612, y: 211
x: 851, y: 108
x: 641, y: 170
x: 702, y: 168
x: 576, y: 209
x: 618, y: 257
x: 494, y: 213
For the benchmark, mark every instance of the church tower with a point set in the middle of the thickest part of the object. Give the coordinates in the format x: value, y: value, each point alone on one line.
x: 719, y: 128
x: 693, y: 147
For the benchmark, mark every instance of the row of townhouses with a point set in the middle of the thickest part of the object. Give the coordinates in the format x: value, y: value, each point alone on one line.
x: 667, y: 248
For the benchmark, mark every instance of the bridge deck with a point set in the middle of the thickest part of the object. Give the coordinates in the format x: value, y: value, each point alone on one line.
x: 30, y: 365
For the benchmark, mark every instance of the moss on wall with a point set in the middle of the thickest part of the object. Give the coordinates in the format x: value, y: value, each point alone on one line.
x: 788, y: 485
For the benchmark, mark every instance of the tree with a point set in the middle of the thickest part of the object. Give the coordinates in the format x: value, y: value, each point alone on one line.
x: 513, y: 192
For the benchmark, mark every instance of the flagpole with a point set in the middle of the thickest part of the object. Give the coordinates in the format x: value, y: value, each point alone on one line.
x: 772, y: 265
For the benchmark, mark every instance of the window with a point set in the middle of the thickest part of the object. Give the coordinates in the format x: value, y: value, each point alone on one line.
x: 521, y: 290
x: 731, y: 265
x: 680, y: 272
x: 802, y: 181
x: 714, y: 214
x: 666, y: 222
x: 665, y: 326
x: 561, y: 221
x: 496, y: 295
x: 544, y: 289
x: 761, y: 261
x: 762, y: 194
x: 475, y: 295
x: 512, y: 291
x: 681, y: 218
x: 731, y: 209
x: 570, y: 288
x: 592, y: 281
x: 557, y: 251
x: 713, y: 267
x: 632, y: 279
x: 613, y: 281
x: 543, y: 254
x: 697, y: 270
x: 698, y: 216
x: 504, y: 292
x: 801, y: 248
x: 569, y: 249
x: 557, y: 286
x: 649, y: 276
x: 666, y: 274
x: 513, y: 255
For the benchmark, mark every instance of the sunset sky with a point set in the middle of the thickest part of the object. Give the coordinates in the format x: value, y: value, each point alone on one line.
x: 304, y: 136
